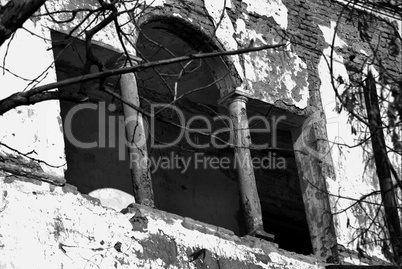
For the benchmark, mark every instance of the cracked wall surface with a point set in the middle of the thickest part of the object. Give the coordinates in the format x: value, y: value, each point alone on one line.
x: 43, y: 226
x: 295, y: 78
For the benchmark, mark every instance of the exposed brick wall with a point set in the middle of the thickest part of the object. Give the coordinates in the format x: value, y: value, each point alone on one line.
x: 161, y: 246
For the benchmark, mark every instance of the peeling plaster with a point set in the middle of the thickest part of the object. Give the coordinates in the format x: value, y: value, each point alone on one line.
x: 271, y: 77
x: 240, y: 26
x: 270, y: 8
x: 225, y: 31
x: 32, y: 128
x: 246, y: 35
x: 4, y: 2
x: 177, y: 15
x: 267, y: 75
x: 328, y: 33
x: 363, y: 52
x: 376, y: 13
x: 107, y: 36
x: 350, y: 170
x: 266, y: 79
x: 347, y: 163
x: 65, y: 230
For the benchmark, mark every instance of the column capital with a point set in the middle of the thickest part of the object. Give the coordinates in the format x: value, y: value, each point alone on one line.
x: 236, y: 95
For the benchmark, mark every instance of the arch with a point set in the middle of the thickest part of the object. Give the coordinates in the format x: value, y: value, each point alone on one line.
x: 192, y: 187
x: 201, y: 40
x: 176, y: 37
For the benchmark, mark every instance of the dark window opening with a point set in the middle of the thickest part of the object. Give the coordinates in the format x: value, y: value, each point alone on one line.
x: 105, y: 166
x: 187, y: 185
x: 212, y: 195
x: 277, y: 177
x: 193, y: 186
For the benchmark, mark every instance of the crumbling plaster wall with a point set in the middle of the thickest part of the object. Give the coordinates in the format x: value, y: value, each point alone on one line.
x: 267, y: 75
x: 37, y: 130
x: 285, y: 78
x: 295, y: 77
x: 312, y: 26
x: 300, y: 77
x: 43, y: 226
x: 34, y: 129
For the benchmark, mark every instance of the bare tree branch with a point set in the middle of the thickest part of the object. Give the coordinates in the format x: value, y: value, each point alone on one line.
x: 25, y: 172
x: 13, y: 15
x: 26, y: 98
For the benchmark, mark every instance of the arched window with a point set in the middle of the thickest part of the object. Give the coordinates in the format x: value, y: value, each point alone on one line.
x: 191, y: 177
x: 190, y: 148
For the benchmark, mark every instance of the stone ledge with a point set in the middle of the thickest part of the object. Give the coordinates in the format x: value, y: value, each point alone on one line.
x: 360, y: 267
x: 225, y: 234
x: 55, y: 228
x: 25, y: 169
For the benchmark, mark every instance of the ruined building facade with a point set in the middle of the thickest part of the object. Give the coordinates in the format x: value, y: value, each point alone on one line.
x: 230, y: 160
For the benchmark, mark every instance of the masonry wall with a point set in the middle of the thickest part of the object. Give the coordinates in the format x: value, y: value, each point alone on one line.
x: 313, y: 27
x: 43, y: 226
x: 296, y: 79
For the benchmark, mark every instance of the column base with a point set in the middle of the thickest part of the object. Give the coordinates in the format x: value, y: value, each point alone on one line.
x: 263, y: 235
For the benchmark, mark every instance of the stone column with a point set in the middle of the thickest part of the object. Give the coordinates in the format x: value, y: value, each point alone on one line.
x: 136, y: 140
x: 248, y: 189
x: 313, y: 171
